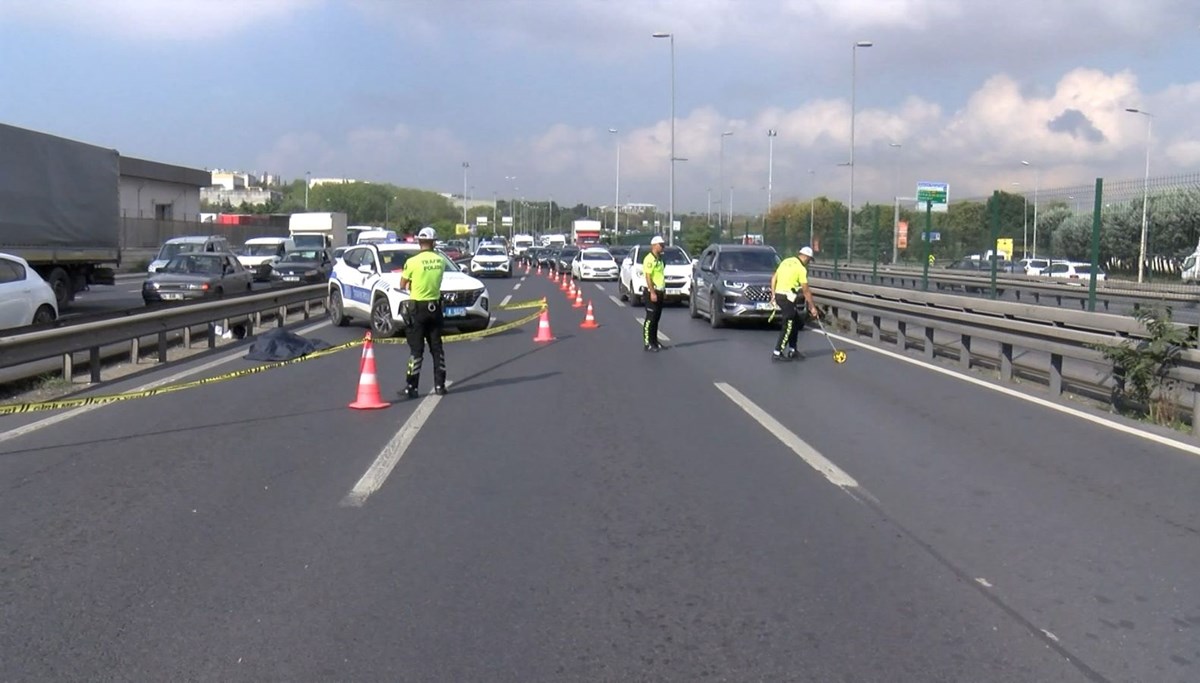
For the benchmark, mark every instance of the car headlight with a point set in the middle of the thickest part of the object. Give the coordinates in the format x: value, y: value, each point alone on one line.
x: 150, y: 285
x: 731, y: 284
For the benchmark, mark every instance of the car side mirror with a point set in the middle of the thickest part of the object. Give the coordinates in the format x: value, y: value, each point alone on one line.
x: 366, y: 269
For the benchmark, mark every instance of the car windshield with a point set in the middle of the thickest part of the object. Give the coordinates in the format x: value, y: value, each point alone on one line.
x: 568, y: 253
x: 757, y: 261
x: 597, y: 256
x: 491, y: 251
x: 195, y: 265
x: 674, y: 256
x: 1059, y: 268
x: 393, y: 261
x: 305, y: 256
x: 1083, y: 269
x: 170, y: 251
x: 261, y: 250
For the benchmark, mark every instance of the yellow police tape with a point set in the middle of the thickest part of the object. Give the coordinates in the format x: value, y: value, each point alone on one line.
x: 62, y: 404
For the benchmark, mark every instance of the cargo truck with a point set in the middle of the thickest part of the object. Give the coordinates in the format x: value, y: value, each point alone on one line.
x: 60, y: 209
x: 318, y: 230
x: 585, y: 232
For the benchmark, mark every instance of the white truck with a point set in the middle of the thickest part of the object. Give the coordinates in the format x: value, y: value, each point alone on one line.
x: 318, y: 230
x: 520, y: 244
x: 585, y: 232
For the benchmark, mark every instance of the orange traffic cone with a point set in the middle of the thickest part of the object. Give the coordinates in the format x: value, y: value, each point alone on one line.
x: 589, y: 320
x: 571, y: 291
x: 544, y: 334
x: 368, y: 385
x: 562, y: 282
x: 539, y: 269
x: 578, y: 298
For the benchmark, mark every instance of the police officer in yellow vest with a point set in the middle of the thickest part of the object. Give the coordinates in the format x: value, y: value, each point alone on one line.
x: 422, y: 277
x: 789, y: 283
x: 654, y: 270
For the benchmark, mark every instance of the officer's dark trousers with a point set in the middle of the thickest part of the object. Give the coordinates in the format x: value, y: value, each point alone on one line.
x: 793, y: 317
x: 425, y: 325
x: 653, y: 315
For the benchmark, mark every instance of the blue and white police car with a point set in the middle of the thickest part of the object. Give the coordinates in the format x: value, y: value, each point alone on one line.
x: 365, y: 285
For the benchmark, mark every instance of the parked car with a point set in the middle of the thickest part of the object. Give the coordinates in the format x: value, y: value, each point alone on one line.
x: 677, y: 272
x: 563, y: 258
x: 365, y: 285
x: 619, y: 252
x: 733, y: 282
x: 25, y: 298
x: 1073, y: 270
x: 306, y: 266
x: 547, y: 257
x: 594, y: 263
x: 197, y: 276
x: 187, y: 245
x: 491, y: 260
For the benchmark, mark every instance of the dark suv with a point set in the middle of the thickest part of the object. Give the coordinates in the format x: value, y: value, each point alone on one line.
x: 733, y: 282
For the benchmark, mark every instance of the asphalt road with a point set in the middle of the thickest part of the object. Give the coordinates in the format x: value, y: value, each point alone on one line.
x: 583, y: 510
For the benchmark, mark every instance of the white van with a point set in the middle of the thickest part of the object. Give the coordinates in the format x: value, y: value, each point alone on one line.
x: 521, y: 244
x: 187, y: 245
x: 261, y: 253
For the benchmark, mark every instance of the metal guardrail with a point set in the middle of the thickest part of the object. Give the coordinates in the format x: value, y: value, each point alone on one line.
x: 1040, y: 290
x: 885, y: 313
x: 246, y: 311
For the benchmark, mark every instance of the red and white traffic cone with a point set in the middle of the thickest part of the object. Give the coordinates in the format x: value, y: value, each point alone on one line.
x: 544, y: 334
x: 589, y: 320
x: 368, y: 384
x: 578, y: 298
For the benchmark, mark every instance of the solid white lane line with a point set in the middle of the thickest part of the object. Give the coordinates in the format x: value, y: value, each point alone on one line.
x: 661, y: 335
x: 1044, y: 403
x: 505, y: 300
x: 614, y: 299
x: 810, y: 455
x: 385, y: 462
x: 170, y: 379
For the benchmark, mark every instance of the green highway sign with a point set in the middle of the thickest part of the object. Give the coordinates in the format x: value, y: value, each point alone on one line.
x: 938, y: 194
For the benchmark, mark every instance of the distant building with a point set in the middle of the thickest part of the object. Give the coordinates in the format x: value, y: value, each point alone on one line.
x: 237, y: 188
x: 313, y: 182
x: 149, y: 189
x: 456, y: 200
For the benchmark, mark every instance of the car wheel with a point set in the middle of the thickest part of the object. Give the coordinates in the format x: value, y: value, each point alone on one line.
x: 635, y: 299
x: 43, y: 315
x: 621, y: 294
x: 337, y: 313
x: 692, y: 310
x: 715, y: 317
x: 60, y: 282
x: 382, y: 323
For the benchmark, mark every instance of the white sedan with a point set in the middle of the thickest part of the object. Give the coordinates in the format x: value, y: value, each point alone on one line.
x: 25, y: 298
x: 1072, y: 270
x: 491, y: 260
x: 594, y: 264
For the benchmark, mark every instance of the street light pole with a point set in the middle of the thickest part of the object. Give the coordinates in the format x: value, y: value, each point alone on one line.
x: 1037, y: 180
x: 721, y: 184
x: 896, y: 213
x: 1145, y: 191
x: 853, y: 95
x: 812, y: 208
x: 307, y: 184
x: 770, y: 168
x: 1025, y: 215
x: 465, y: 166
x: 512, y: 211
x: 671, y: 219
x: 617, y: 197
x: 708, y: 192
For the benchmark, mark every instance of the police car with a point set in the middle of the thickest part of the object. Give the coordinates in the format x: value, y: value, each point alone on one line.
x: 365, y: 285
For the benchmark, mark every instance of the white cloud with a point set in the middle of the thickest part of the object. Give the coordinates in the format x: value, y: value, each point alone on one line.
x: 154, y: 20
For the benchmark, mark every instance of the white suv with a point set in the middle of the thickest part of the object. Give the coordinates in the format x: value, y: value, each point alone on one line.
x: 677, y: 272
x: 365, y: 285
x: 1073, y: 270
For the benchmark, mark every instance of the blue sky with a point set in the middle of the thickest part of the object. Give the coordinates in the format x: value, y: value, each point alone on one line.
x: 404, y: 91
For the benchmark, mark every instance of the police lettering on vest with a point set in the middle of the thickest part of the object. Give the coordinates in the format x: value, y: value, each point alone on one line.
x: 424, y: 272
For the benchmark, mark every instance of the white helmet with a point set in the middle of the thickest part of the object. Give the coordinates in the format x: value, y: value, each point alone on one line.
x: 806, y: 251
x: 657, y: 240
x: 427, y: 233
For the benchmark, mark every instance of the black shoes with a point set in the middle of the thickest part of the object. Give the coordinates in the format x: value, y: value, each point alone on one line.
x: 440, y: 390
x: 411, y: 392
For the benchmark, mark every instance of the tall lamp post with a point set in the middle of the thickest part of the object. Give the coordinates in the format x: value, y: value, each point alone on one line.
x: 465, y: 166
x: 896, y: 212
x: 1145, y: 190
x: 512, y: 210
x: 853, y: 89
x: 617, y: 196
x: 1037, y: 180
x: 812, y: 207
x: 671, y: 219
x: 307, y: 184
x: 721, y: 183
x: 770, y: 168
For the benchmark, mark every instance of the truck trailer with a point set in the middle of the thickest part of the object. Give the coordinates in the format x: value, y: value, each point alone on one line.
x: 318, y: 230
x: 60, y: 209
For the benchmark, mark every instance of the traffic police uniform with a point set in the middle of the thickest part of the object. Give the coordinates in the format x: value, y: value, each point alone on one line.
x: 790, y: 278
x: 654, y: 268
x: 423, y: 314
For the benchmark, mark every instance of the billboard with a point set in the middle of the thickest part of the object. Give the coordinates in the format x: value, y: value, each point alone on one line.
x: 902, y: 235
